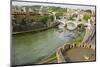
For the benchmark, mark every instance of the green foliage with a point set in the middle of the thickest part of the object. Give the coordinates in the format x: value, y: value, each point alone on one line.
x: 51, y: 18
x: 89, y: 11
x: 86, y: 17
x: 43, y: 19
x: 23, y: 22
x: 57, y: 9
x: 79, y: 38
x: 49, y: 59
x: 71, y: 18
x: 74, y: 15
x: 81, y: 27
x: 59, y: 14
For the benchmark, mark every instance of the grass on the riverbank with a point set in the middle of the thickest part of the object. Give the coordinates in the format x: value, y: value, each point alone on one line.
x: 49, y: 59
x: 80, y: 37
x: 78, y: 40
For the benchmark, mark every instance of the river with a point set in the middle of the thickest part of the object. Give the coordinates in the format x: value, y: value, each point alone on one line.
x: 31, y: 48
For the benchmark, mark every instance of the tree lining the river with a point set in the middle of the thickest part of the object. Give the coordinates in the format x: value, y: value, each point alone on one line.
x: 31, y: 22
x: 43, y: 17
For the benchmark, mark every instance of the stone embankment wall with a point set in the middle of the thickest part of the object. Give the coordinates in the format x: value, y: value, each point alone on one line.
x: 60, y: 51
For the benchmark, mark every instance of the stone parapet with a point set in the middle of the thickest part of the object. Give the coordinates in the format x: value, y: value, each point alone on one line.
x: 60, y: 51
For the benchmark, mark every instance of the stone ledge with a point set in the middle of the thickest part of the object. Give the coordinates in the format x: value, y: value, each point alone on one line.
x: 65, y: 47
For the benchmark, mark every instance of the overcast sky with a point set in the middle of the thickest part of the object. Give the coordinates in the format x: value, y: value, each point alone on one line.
x: 48, y: 4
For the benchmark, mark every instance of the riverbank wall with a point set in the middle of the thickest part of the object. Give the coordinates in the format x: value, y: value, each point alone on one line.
x: 60, y: 51
x: 36, y: 30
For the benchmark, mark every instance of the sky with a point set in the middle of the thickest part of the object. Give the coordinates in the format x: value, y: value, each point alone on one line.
x: 52, y: 4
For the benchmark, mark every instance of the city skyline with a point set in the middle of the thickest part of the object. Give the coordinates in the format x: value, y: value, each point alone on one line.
x: 17, y: 3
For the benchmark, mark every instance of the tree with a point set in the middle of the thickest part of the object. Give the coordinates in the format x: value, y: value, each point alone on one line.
x: 86, y: 17
x: 23, y: 22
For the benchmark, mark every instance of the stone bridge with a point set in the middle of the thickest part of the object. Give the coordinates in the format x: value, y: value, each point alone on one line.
x: 70, y: 25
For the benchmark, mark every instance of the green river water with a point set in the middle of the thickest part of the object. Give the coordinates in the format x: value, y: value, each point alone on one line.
x: 31, y: 48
